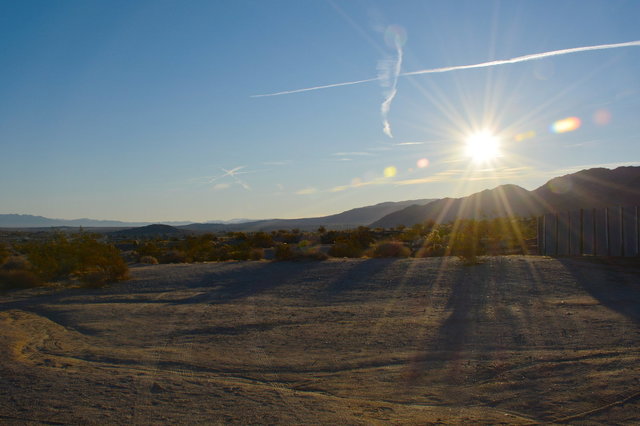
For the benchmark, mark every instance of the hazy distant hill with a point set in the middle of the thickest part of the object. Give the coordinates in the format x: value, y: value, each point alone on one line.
x: 585, y: 189
x: 348, y: 219
x: 30, y: 221
x: 150, y: 231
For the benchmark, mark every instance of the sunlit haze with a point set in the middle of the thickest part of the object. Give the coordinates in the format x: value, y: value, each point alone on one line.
x: 213, y: 110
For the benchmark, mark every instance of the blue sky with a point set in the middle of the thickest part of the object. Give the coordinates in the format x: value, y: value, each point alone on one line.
x: 145, y: 110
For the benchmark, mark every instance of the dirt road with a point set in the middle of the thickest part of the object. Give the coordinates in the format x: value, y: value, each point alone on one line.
x: 514, y: 340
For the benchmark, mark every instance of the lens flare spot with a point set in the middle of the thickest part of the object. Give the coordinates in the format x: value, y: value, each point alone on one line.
x: 356, y: 182
x: 566, y: 125
x: 526, y: 135
x: 602, y: 117
x: 423, y: 163
x: 561, y: 185
x: 390, y: 171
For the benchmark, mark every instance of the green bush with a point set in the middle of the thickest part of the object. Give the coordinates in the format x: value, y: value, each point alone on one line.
x: 390, y: 249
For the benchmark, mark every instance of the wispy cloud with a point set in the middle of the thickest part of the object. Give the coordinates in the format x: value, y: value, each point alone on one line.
x: 227, y: 173
x: 388, y: 72
x: 515, y: 60
x: 452, y: 175
x: 408, y: 143
x: 307, y: 191
x: 220, y: 186
x: 276, y: 163
x: 233, y: 172
x: 352, y: 154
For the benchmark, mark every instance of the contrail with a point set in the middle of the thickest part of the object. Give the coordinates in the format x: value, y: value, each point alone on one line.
x: 308, y: 89
x: 386, y: 104
x: 525, y: 58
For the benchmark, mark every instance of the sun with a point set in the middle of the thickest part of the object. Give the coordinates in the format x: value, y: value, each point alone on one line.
x: 482, y: 147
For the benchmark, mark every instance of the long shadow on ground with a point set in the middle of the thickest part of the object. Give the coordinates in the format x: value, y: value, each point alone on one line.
x: 611, y: 286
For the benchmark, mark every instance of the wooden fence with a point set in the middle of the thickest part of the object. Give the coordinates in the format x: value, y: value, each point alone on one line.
x: 611, y: 231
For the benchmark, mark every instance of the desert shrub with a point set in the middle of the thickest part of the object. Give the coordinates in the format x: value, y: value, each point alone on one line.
x: 174, y: 256
x: 15, y: 279
x: 307, y: 250
x: 389, y: 249
x: 240, y: 252
x: 345, y: 249
x: 433, y: 245
x: 149, y: 248
x: 256, y: 254
x: 4, y: 253
x: 14, y: 263
x: 329, y: 237
x: 286, y: 251
x: 220, y: 253
x: 362, y: 237
x: 464, y: 241
x: 352, y: 243
x: 150, y: 260
x: 261, y: 240
x: 197, y: 248
x: 313, y: 254
x: 82, y: 255
x: 283, y: 252
x: 289, y: 237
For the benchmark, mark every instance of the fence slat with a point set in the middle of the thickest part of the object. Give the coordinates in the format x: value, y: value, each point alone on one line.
x: 611, y: 231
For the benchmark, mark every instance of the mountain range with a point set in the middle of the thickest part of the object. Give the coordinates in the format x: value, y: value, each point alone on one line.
x: 598, y: 187
x: 348, y: 219
x: 592, y: 188
x: 30, y: 221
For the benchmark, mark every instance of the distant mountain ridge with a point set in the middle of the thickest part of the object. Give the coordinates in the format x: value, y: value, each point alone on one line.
x: 590, y: 188
x: 349, y: 219
x: 31, y: 221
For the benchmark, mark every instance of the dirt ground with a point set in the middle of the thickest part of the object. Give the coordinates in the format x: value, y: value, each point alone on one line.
x: 514, y: 340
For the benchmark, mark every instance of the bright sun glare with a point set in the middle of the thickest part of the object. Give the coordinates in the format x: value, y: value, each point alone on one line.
x: 482, y: 147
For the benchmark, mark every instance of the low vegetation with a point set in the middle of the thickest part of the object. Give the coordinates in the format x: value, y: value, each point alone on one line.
x: 81, y: 259
x: 89, y: 260
x: 467, y: 239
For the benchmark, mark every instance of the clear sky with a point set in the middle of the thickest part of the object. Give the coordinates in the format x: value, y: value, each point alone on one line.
x: 146, y: 110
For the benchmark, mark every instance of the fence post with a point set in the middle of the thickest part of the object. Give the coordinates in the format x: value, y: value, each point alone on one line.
x: 606, y: 230
x: 556, y: 233
x: 569, y: 233
x: 595, y: 238
x: 581, y: 232
x: 538, y: 236
x: 622, y: 231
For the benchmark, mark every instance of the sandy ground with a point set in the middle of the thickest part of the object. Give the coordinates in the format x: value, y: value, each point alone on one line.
x: 514, y: 340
